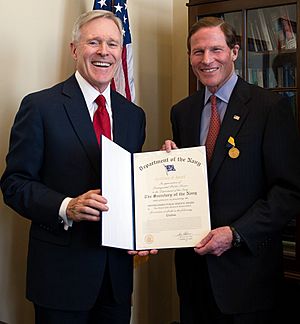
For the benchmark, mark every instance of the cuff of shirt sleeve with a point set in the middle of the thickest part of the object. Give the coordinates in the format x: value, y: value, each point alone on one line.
x: 63, y: 213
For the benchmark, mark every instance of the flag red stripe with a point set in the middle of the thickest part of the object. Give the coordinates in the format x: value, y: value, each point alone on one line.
x: 125, y: 70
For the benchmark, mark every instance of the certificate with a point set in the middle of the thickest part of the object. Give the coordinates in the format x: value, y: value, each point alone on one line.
x: 156, y: 200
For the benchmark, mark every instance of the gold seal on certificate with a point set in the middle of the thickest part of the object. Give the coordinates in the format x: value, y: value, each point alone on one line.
x: 234, y: 152
x: 149, y: 239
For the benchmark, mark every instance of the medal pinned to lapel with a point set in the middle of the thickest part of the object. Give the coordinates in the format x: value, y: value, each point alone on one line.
x: 233, y: 152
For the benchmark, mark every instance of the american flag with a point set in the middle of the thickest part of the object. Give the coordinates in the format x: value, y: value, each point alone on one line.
x: 123, y: 81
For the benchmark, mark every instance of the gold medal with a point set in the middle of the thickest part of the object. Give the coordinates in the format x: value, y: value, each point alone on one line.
x: 234, y: 152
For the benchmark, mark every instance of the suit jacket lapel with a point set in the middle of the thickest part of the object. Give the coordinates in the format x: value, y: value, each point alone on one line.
x: 77, y: 111
x: 235, y: 115
x: 195, y: 113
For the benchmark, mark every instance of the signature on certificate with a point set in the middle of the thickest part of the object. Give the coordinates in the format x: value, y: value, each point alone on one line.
x: 184, y: 236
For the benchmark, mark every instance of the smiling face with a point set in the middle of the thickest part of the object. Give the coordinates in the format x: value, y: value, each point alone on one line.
x: 98, y: 52
x: 211, y: 59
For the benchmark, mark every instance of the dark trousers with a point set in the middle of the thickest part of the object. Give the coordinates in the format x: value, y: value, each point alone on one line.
x: 105, y: 311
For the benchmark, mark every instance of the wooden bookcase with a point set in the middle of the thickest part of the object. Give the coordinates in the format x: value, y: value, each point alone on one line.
x: 269, y: 32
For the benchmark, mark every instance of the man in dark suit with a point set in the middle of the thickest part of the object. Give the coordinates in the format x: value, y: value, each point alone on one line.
x: 53, y: 178
x: 233, y: 275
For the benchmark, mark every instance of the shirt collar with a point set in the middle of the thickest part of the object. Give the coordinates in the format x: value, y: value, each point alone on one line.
x: 225, y: 91
x: 89, y: 92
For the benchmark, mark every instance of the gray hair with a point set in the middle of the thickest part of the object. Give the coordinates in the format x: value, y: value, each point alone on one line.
x: 91, y: 15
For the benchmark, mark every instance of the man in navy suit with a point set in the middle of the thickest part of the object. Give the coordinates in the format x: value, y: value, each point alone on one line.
x: 52, y: 178
x: 233, y: 275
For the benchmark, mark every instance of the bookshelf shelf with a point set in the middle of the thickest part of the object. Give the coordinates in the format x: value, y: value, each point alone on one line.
x: 268, y: 31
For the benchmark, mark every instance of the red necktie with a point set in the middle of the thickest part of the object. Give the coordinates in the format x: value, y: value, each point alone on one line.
x: 101, y: 119
x: 214, y: 128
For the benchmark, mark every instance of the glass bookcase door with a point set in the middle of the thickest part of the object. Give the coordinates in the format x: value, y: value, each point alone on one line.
x: 271, y: 55
x: 272, y: 63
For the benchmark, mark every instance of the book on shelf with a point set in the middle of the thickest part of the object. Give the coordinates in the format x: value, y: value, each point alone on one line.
x: 289, y: 75
x: 265, y: 33
x: 258, y: 36
x: 284, y: 66
x: 252, y: 44
x: 287, y: 29
x: 280, y: 77
x: 272, y: 79
x: 282, y: 28
x: 255, y: 41
x: 255, y: 76
x: 259, y: 77
x: 286, y: 76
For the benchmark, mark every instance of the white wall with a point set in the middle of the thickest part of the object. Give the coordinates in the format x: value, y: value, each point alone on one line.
x: 35, y: 54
